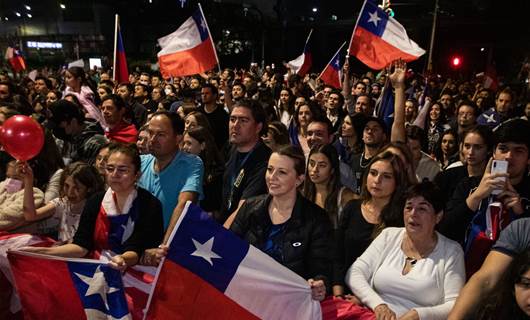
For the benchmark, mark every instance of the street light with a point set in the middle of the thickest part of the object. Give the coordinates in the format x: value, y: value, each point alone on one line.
x: 62, y: 6
x: 315, y: 9
x: 29, y: 15
x: 17, y: 14
x: 27, y: 7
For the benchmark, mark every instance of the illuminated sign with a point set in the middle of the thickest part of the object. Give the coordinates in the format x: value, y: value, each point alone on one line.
x: 44, y: 45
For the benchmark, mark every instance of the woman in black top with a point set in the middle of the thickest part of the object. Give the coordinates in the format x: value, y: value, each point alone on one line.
x: 119, y: 224
x: 286, y: 226
x: 380, y: 206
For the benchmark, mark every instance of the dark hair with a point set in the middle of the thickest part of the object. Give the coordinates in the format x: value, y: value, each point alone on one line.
x: 407, y: 154
x: 47, y: 162
x: 333, y: 185
x: 502, y: 304
x: 392, y: 213
x: 323, y: 119
x: 313, y: 106
x: 429, y: 191
x: 85, y: 174
x: 210, y: 155
x: 146, y: 89
x: 116, y: 100
x: 257, y: 111
x: 296, y: 154
x: 129, y: 150
x: 470, y: 104
x: 129, y: 86
x: 202, y: 120
x: 417, y: 133
x: 176, y: 122
x: 341, y: 98
x: 513, y: 130
x: 47, y: 81
x: 484, y: 132
x: 441, y: 120
x: 78, y: 72
x: 290, y: 103
x: 280, y: 135
x: 438, y: 153
x: 212, y: 88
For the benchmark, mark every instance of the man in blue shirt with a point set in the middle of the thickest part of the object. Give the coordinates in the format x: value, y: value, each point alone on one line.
x: 172, y: 176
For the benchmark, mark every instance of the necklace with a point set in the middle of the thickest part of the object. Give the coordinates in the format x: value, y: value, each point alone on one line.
x: 367, y: 161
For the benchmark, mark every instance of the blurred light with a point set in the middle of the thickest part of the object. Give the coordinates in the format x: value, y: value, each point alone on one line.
x: 44, y: 45
x: 6, y: 18
x: 333, y: 17
x: 315, y: 9
x: 456, y: 61
x: 62, y: 6
x: 27, y: 7
x: 482, y: 49
x: 17, y: 14
x: 150, y: 1
x: 29, y: 15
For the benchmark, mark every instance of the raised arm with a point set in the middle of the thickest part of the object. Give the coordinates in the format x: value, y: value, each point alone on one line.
x: 30, y: 213
x: 397, y: 79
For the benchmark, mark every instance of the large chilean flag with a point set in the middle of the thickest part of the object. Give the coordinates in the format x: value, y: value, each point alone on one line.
x: 189, y: 50
x: 378, y: 39
x: 302, y: 64
x: 210, y: 273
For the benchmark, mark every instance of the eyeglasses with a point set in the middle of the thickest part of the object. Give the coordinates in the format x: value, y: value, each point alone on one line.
x: 120, y: 171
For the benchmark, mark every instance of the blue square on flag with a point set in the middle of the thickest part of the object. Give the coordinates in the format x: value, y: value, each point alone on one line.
x: 100, y: 288
x: 373, y: 18
x: 196, y: 246
x: 201, y: 24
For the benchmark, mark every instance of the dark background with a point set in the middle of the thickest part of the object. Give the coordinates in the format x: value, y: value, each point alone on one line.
x: 86, y: 27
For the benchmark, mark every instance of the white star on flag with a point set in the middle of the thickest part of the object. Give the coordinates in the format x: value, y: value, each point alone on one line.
x: 128, y: 230
x: 374, y: 18
x: 205, y: 251
x: 97, y: 285
x: 490, y: 118
x: 203, y: 24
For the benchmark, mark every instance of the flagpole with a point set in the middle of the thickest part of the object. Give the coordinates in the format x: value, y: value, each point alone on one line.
x: 333, y: 57
x: 355, y: 28
x: 433, y: 31
x: 211, y: 39
x: 308, y: 37
x: 116, y: 23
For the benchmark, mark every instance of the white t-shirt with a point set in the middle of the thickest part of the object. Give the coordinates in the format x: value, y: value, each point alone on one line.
x: 431, y: 286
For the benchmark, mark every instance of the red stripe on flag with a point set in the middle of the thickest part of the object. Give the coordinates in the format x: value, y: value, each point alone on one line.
x: 308, y: 61
x: 180, y: 294
x: 330, y: 77
x: 374, y: 51
x: 122, y: 73
x: 52, y: 296
x: 188, y: 62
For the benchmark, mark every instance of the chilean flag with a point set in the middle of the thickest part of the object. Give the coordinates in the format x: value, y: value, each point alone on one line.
x: 332, y: 72
x: 302, y: 64
x: 121, y: 73
x: 189, y: 50
x: 16, y: 59
x: 63, y: 288
x: 210, y: 273
x: 378, y: 39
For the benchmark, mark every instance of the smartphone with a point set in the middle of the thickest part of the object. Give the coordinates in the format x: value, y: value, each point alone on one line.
x: 499, y: 166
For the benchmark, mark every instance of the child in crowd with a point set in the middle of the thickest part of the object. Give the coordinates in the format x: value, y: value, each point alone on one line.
x: 78, y: 182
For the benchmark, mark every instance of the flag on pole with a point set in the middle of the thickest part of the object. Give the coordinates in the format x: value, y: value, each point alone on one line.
x: 15, y: 59
x: 379, y: 39
x: 63, y: 288
x: 121, y: 73
x: 210, y: 273
x: 332, y: 73
x: 302, y: 64
x: 189, y: 50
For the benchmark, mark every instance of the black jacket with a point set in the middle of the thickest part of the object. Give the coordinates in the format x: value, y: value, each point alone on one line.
x: 307, y: 237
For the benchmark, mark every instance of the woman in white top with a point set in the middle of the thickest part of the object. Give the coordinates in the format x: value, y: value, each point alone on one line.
x: 412, y: 272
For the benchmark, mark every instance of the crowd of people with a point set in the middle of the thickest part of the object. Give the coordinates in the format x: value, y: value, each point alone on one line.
x: 403, y: 219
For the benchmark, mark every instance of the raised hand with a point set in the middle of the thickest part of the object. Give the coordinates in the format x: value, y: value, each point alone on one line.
x: 397, y: 77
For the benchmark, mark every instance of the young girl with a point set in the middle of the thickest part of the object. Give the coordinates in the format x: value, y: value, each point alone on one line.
x: 79, y: 181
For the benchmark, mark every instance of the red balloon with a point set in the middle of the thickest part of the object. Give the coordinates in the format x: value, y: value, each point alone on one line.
x: 22, y: 137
